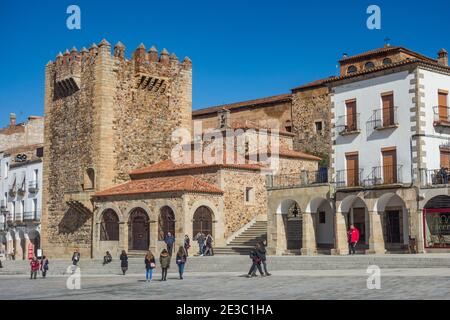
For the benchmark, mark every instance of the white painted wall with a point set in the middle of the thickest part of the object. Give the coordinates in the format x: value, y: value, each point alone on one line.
x: 370, y: 142
x: 325, y: 231
x: 432, y: 82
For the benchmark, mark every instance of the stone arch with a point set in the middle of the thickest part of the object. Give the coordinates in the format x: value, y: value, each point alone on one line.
x: 139, y: 204
x: 355, y: 212
x: 110, y: 206
x: 289, y: 226
x: 203, y: 221
x: 109, y: 226
x: 35, y: 239
x: 322, y: 220
x: 436, y: 218
x: 138, y: 229
x: 286, y: 204
x: 166, y: 222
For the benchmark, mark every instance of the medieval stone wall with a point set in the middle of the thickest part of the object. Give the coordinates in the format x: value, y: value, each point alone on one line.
x: 308, y: 107
x: 29, y: 133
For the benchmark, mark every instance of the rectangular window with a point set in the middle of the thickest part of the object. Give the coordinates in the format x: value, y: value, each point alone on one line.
x: 318, y: 126
x: 351, y: 116
x: 40, y: 152
x: 352, y: 160
x: 388, y: 109
x: 249, y: 194
x: 443, y: 106
x: 322, y: 218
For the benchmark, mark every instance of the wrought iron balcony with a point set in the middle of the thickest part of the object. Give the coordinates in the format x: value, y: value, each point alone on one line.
x: 385, y: 175
x: 349, y: 178
x: 348, y: 124
x: 441, y: 116
x: 384, y: 118
x: 32, y: 216
x: 33, y: 187
x: 302, y: 179
x: 436, y: 177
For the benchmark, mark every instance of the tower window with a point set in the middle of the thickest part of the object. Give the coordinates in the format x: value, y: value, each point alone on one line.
x: 369, y: 65
x: 249, y: 195
x: 352, y: 69
x: 319, y: 127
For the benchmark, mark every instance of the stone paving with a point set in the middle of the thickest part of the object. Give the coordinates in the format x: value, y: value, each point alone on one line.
x: 429, y: 283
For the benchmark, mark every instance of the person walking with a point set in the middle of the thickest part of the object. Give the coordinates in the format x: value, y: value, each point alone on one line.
x: 44, y: 266
x: 262, y: 253
x: 201, y: 243
x: 353, y: 238
x: 187, y: 244
x: 164, y: 259
x: 150, y: 264
x: 124, y: 262
x: 169, y: 240
x: 209, y: 247
x: 34, y: 264
x: 256, y: 263
x: 181, y: 259
x: 76, y: 257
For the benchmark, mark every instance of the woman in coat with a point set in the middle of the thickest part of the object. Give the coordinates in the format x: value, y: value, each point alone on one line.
x: 181, y: 261
x: 44, y: 266
x: 124, y: 262
x: 164, y: 259
x: 150, y: 264
x: 187, y: 244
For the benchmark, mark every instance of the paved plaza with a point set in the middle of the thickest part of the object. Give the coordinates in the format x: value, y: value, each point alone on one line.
x: 426, y: 283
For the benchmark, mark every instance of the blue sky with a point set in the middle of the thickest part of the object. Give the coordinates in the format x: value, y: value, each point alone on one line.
x: 241, y: 49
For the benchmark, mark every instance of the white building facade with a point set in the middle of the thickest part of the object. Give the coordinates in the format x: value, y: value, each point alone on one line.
x: 391, y: 155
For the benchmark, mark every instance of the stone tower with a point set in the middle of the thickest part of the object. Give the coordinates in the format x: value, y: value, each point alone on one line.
x: 105, y: 115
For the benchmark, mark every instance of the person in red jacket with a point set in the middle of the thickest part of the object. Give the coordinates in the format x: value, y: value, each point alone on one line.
x: 353, y: 238
x: 35, y: 265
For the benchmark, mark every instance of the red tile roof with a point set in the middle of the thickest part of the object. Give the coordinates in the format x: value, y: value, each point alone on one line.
x: 169, y: 166
x: 161, y: 185
x: 314, y: 84
x: 250, y: 103
x: 384, y: 50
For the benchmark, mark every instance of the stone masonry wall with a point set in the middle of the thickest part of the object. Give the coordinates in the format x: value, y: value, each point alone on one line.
x: 309, y: 106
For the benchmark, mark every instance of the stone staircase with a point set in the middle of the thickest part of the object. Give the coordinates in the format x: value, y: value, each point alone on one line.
x: 242, y: 244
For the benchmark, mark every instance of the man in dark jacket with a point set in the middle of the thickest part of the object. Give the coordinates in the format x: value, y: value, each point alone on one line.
x: 256, y: 263
x: 169, y: 240
x: 262, y: 253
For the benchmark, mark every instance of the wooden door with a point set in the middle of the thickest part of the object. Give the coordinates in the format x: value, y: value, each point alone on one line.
x: 351, y: 115
x: 203, y: 222
x: 352, y: 170
x: 443, y: 106
x: 390, y: 166
x: 139, y: 230
x: 388, y: 110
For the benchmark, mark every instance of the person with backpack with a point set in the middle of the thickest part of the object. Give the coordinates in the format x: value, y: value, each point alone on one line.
x: 124, y: 262
x: 181, y: 259
x: 256, y: 263
x: 44, y: 266
x: 150, y: 264
x: 34, y: 264
x: 209, y: 248
x: 164, y: 259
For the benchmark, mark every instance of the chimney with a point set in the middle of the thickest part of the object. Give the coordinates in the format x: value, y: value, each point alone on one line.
x: 443, y: 57
x: 224, y: 119
x: 12, y: 119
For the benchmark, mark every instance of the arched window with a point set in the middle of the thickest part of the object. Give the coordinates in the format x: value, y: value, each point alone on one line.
x: 387, y: 61
x: 203, y: 221
x: 166, y: 223
x: 369, y: 65
x: 352, y: 69
x: 89, y: 179
x: 109, y: 227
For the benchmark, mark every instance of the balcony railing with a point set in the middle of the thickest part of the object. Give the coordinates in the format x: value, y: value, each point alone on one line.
x: 384, y: 118
x: 349, y: 178
x: 436, y: 177
x: 384, y: 175
x: 302, y: 179
x: 348, y: 124
x: 441, y: 116
x: 33, y: 187
x: 32, y: 216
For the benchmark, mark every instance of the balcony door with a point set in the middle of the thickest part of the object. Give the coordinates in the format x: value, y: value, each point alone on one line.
x: 443, y: 106
x: 352, y: 169
x: 351, y: 115
x: 445, y: 158
x: 389, y: 166
x: 388, y: 109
